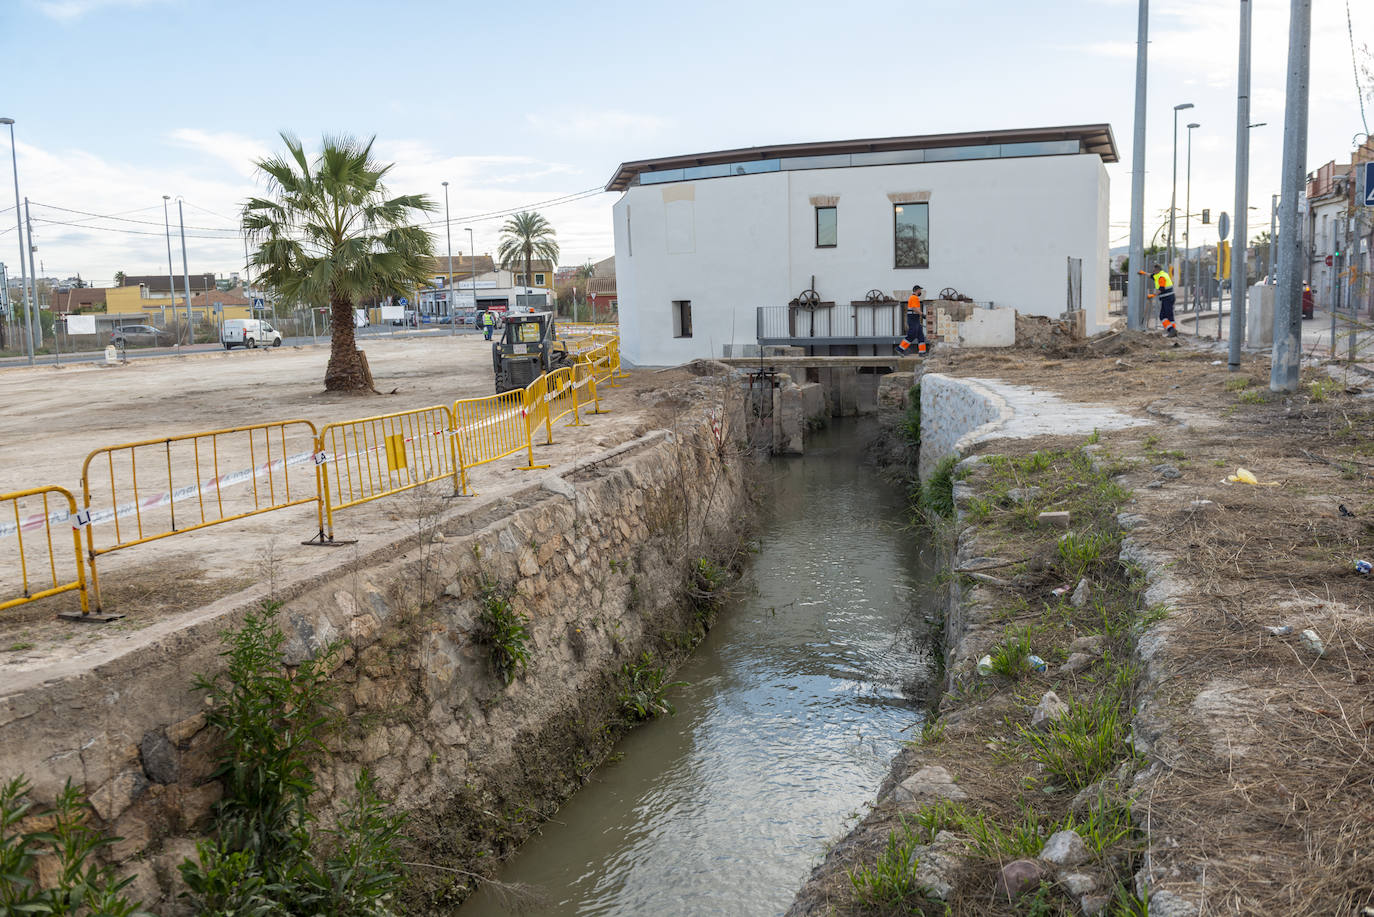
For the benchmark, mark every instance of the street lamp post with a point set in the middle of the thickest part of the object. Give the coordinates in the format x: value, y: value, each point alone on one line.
x: 25, y: 287
x: 1173, y: 195
x: 171, y: 279
x: 448, y: 293
x: 1188, y: 219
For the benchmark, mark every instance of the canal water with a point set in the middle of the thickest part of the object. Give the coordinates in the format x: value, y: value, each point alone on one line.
x: 798, y: 699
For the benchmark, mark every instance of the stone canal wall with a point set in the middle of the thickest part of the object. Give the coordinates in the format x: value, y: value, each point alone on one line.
x: 595, y: 553
x: 955, y: 413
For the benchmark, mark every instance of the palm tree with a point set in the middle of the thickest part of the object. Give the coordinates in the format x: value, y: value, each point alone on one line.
x: 329, y: 233
x: 119, y: 278
x: 527, y: 236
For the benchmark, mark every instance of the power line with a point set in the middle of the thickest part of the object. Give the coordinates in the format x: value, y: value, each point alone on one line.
x: 133, y: 232
x: 494, y: 214
x: 1354, y: 67
x: 122, y: 219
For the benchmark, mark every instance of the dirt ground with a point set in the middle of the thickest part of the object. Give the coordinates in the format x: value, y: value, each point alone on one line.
x: 1264, y: 796
x: 56, y: 417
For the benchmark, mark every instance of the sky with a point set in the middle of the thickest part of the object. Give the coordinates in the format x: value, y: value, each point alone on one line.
x: 532, y: 106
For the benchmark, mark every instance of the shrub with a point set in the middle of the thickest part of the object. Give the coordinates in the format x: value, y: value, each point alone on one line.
x: 504, y: 631
x: 891, y: 881
x: 937, y: 494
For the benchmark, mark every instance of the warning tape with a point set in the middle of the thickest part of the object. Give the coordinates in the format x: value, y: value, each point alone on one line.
x: 87, y: 517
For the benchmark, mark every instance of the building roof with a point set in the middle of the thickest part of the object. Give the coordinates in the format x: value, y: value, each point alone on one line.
x: 158, y: 282
x: 1092, y: 138
x: 462, y: 265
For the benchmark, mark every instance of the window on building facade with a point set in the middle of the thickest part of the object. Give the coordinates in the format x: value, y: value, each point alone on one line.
x: 539, y: 280
x: 911, y: 235
x: 682, y: 318
x: 827, y: 235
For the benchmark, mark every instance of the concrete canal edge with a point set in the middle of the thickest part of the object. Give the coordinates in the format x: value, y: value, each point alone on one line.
x: 596, y: 553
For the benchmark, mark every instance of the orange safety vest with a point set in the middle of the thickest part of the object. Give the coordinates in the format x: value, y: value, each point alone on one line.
x: 913, y: 304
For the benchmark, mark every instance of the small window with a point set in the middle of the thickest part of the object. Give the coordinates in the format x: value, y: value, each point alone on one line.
x: 911, y: 235
x: 539, y: 280
x: 826, y: 227
x: 682, y: 318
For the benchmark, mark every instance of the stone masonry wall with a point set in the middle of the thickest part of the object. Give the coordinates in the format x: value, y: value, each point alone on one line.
x: 595, y: 554
x: 955, y: 413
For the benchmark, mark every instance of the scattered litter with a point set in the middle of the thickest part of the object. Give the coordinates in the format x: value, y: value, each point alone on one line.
x: 1200, y: 504
x: 1037, y: 663
x: 1345, y: 512
x: 985, y: 665
x: 1363, y: 566
x: 1216, y: 362
x: 1312, y: 643
x: 1280, y: 630
x: 1061, y: 590
x: 1245, y: 476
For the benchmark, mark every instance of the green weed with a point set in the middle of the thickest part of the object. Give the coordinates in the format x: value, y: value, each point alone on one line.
x: 504, y: 631
x: 81, y: 884
x: 1011, y: 657
x: 644, y: 688
x: 937, y: 494
x: 1083, y: 745
x: 1254, y: 396
x: 891, y: 881
x: 1080, y: 553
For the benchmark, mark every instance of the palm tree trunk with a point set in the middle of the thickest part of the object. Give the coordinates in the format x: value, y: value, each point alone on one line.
x: 347, y: 370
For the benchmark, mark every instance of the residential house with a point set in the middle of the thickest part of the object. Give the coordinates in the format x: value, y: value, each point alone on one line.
x: 705, y: 240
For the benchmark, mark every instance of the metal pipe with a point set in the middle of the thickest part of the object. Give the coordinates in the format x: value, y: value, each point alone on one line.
x: 1239, y: 234
x: 1287, y: 356
x: 1135, y: 304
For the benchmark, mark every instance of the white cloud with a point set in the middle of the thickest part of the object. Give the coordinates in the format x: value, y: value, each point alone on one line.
x: 72, y: 10
x: 240, y: 152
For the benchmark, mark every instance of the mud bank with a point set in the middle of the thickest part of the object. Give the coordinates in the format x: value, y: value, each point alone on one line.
x: 596, y: 553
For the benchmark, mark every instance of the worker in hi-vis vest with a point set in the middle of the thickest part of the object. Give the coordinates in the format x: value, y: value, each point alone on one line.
x: 1162, y: 284
x: 915, y: 323
x: 488, y: 324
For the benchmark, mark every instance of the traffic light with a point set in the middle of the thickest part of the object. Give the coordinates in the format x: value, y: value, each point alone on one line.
x: 1206, y: 215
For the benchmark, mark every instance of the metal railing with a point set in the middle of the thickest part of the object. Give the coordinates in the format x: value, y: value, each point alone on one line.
x: 157, y: 488
x: 490, y: 428
x: 28, y: 559
x: 362, y: 460
x: 847, y: 321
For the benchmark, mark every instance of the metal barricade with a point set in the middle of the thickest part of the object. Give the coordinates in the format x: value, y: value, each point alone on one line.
x: 362, y: 460
x: 490, y: 428
x: 535, y: 406
x: 21, y: 582
x: 562, y: 396
x: 158, y: 488
x: 584, y: 385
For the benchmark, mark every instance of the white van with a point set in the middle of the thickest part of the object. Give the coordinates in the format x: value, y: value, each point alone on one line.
x: 360, y: 319
x: 248, y: 332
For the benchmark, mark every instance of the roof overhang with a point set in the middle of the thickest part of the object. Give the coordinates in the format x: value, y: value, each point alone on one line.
x: 1094, y: 138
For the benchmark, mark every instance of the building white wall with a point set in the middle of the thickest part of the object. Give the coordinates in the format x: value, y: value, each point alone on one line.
x: 1000, y: 230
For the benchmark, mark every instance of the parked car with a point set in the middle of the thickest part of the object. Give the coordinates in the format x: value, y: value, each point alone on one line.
x: 248, y: 333
x: 360, y: 319
x: 410, y: 317
x: 146, y: 335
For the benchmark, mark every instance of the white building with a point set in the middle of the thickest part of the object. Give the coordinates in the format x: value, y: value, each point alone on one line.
x: 495, y: 290
x: 702, y: 241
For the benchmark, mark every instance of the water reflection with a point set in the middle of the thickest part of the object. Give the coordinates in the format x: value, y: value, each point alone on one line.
x: 794, y: 710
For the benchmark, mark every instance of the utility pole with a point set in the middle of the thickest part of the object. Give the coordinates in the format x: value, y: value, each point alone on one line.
x: 1273, y: 238
x: 449, y: 296
x: 1188, y: 222
x: 36, y: 324
x: 1135, y: 303
x: 1286, y: 362
x: 171, y: 282
x: 19, y: 231
x: 186, y: 274
x: 1240, y: 234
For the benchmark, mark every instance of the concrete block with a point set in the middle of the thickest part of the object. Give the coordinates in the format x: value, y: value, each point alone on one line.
x: 1058, y: 519
x: 1259, y: 316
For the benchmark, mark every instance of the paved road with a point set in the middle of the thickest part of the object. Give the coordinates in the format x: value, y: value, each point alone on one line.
x: 137, y: 353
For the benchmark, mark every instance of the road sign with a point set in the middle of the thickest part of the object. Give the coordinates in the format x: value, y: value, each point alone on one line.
x: 1328, y: 260
x: 1368, y: 170
x: 402, y: 302
x: 257, y: 302
x: 1223, y: 225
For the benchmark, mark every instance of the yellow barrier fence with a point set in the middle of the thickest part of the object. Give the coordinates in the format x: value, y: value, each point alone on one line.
x: 362, y: 460
x: 584, y: 383
x: 29, y: 566
x: 490, y: 428
x: 561, y: 394
x: 157, y: 488
x: 535, y: 405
